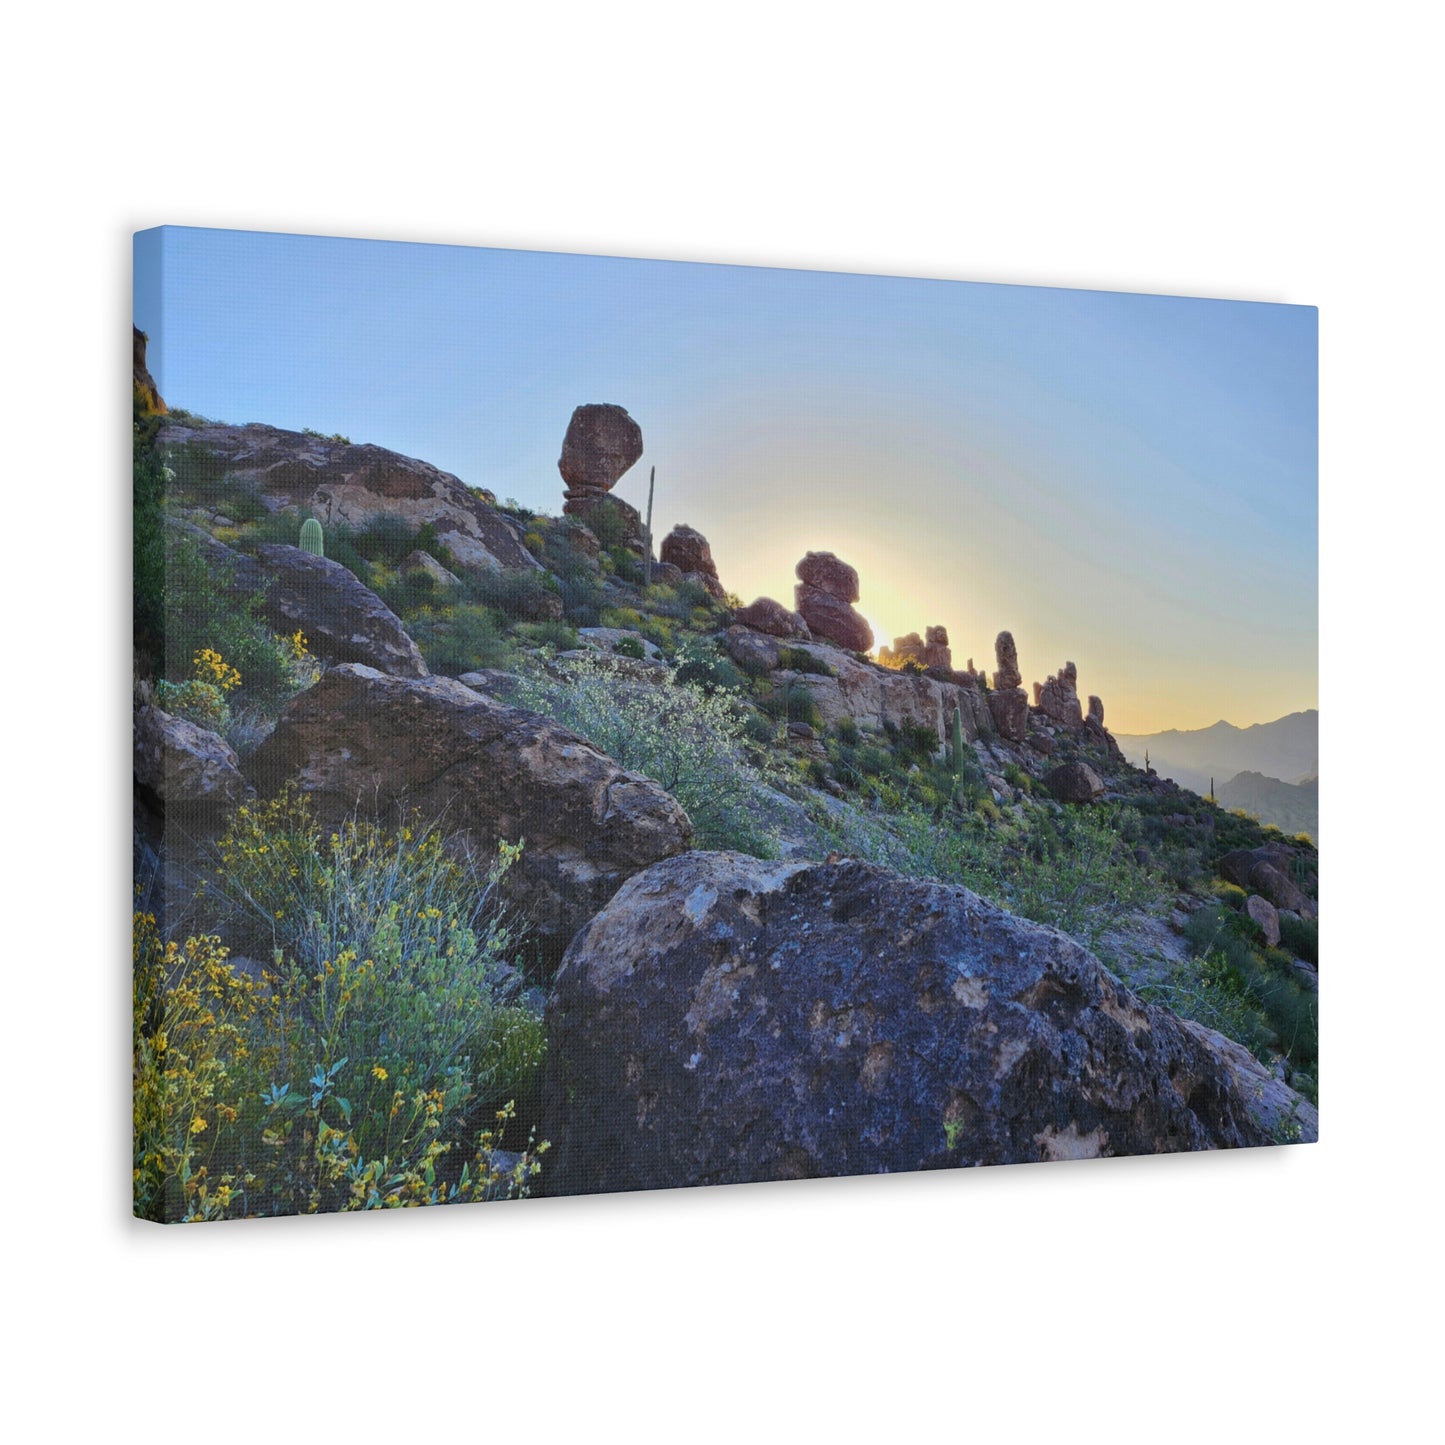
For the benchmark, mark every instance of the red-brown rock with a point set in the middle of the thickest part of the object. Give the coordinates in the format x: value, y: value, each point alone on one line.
x: 766, y: 615
x: 602, y: 442
x: 826, y: 573
x: 830, y: 617
x: 1010, y: 712
x: 1006, y: 654
x: 688, y: 550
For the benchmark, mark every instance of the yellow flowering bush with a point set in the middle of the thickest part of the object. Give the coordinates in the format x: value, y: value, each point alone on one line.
x: 202, y: 698
x: 358, y: 1066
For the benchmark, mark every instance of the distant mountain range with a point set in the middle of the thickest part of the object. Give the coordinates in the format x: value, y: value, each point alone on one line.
x: 1270, y: 769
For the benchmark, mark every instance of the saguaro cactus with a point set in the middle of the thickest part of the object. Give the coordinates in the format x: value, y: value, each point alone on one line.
x: 647, y: 536
x: 311, y: 538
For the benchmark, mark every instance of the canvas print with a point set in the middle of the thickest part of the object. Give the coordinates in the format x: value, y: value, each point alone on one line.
x: 609, y: 725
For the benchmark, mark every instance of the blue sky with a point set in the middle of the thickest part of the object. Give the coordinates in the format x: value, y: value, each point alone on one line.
x: 1125, y: 481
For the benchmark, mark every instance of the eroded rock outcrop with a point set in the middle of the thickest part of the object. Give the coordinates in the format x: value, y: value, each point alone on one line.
x: 825, y: 593
x: 726, y: 1020
x: 1008, y: 702
x: 360, y: 739
x: 1266, y: 871
x: 931, y: 650
x: 341, y: 482
x: 1058, y: 697
x: 873, y: 696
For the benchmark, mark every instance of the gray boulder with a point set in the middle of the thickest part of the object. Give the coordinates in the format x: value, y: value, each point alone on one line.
x: 485, y: 770
x: 726, y: 1020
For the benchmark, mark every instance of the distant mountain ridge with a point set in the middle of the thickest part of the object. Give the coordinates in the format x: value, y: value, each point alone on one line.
x: 1269, y: 769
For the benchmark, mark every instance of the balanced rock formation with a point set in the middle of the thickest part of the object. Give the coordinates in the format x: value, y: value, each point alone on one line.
x: 727, y: 1020
x: 341, y: 483
x: 602, y: 442
x: 766, y: 615
x: 484, y: 770
x: 1008, y: 703
x: 146, y: 395
x: 1058, y: 697
x: 1074, y: 783
x: 825, y: 593
x: 930, y: 651
x: 687, y: 549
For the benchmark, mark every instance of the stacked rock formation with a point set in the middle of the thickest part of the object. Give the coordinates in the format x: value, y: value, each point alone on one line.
x: 1008, y: 702
x: 1058, y: 697
x: 687, y: 549
x: 602, y: 442
x: 825, y: 593
x: 929, y: 651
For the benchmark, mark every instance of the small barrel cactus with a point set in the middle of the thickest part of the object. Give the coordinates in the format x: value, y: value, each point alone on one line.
x: 311, y: 538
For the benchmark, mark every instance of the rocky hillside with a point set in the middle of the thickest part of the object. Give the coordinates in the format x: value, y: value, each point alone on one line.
x: 710, y: 893
x: 1287, y: 749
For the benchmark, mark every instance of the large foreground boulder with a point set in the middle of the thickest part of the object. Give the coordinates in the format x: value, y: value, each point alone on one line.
x: 727, y: 1020
x: 362, y: 740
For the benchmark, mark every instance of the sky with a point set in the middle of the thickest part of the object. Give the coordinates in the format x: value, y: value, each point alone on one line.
x: 1126, y: 482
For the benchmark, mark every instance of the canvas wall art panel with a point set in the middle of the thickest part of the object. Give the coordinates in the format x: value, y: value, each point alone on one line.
x: 609, y: 725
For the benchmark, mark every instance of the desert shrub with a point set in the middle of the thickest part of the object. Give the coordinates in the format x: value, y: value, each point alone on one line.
x: 388, y: 1014
x: 704, y: 665
x: 148, y: 534
x: 1301, y: 936
x: 230, y: 1120
x: 692, y: 742
x: 798, y: 659
x: 514, y: 594
x: 202, y: 698
x: 1071, y: 871
x: 203, y: 614
x: 630, y: 647
x: 558, y: 635
x: 1207, y: 990
x: 1016, y: 777
x: 609, y: 524
x: 792, y: 702
x: 461, y: 638
x: 846, y: 731
x: 1229, y: 894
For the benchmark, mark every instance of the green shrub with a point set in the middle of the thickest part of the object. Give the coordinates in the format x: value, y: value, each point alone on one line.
x: 203, y: 615
x: 1301, y: 936
x: 461, y: 638
x: 1229, y: 894
x: 792, y: 703
x: 702, y: 664
x: 560, y: 636
x: 220, y: 1131
x: 148, y: 555
x: 846, y: 731
x: 630, y: 647
x: 690, y: 741
x: 798, y: 659
x: 520, y: 595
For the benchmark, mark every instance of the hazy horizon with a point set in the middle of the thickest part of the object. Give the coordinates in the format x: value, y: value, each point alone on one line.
x: 1124, y: 481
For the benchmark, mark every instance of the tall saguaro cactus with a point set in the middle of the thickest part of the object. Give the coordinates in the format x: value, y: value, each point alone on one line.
x: 647, y: 536
x: 311, y: 538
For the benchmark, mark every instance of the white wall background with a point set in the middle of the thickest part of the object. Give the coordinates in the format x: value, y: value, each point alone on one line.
x: 1258, y: 151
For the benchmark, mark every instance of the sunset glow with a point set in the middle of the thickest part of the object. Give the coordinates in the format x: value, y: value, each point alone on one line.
x: 1127, y: 482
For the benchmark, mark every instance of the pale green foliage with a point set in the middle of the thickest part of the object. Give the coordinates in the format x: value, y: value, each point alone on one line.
x: 1069, y: 871
x: 692, y: 742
